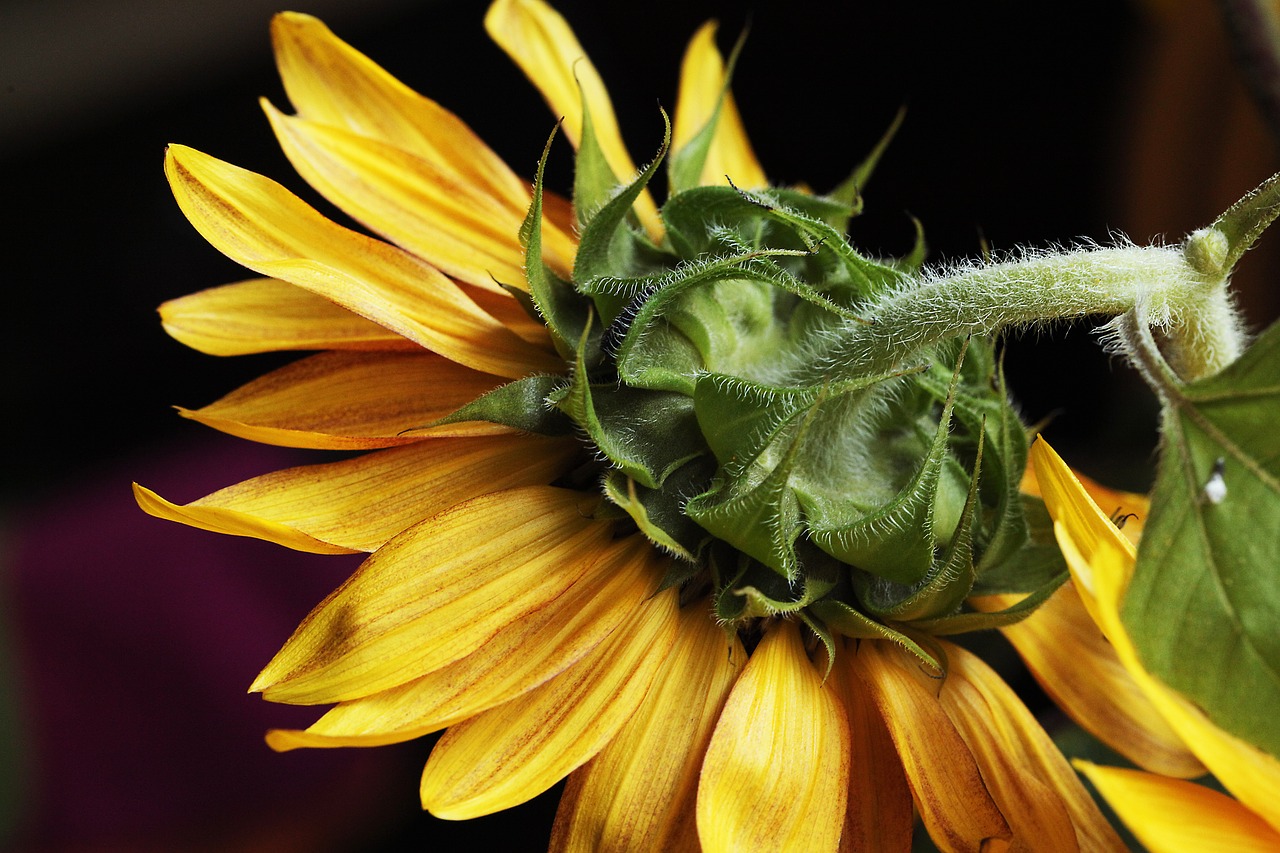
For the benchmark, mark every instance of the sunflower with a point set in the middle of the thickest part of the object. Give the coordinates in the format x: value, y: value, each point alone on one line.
x: 634, y: 516
x: 1165, y: 812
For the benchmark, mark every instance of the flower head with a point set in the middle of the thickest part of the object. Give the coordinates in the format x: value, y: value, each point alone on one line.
x: 678, y: 501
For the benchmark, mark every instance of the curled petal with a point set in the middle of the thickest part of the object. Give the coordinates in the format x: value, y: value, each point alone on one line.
x: 522, y: 655
x: 954, y: 803
x: 512, y: 753
x: 350, y: 401
x: 1174, y: 816
x: 258, y: 223
x: 702, y: 81
x: 265, y: 315
x: 639, y: 792
x: 776, y: 776
x: 359, y: 504
x: 436, y: 593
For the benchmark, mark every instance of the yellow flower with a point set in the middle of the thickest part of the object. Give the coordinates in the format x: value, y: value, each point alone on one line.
x: 510, y: 611
x: 1166, y: 814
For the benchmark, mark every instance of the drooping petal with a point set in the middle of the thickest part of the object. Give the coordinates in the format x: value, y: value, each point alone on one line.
x: 1073, y: 662
x: 949, y: 789
x: 436, y: 593
x: 442, y: 219
x: 1102, y: 561
x: 258, y: 223
x: 880, y: 814
x: 702, y: 80
x: 1037, y: 791
x: 639, y: 792
x: 522, y: 655
x: 265, y: 315
x: 541, y: 42
x: 331, y: 83
x: 359, y: 504
x: 512, y: 753
x: 350, y: 401
x: 1174, y: 816
x: 1129, y: 510
x: 776, y: 775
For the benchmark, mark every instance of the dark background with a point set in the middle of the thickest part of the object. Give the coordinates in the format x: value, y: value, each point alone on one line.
x: 1026, y: 125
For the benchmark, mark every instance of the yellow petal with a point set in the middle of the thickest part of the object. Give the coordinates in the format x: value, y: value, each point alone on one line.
x: 1037, y: 791
x: 949, y: 789
x: 258, y: 223
x: 1173, y: 816
x: 776, y: 775
x: 880, y: 815
x: 346, y: 401
x: 539, y: 40
x: 265, y: 315
x: 331, y: 83
x: 522, y: 655
x: 512, y: 753
x: 451, y: 224
x: 508, y: 311
x: 361, y: 503
x: 1073, y: 662
x: 1102, y: 561
x: 639, y: 792
x: 436, y: 593
x: 702, y: 79
x: 1128, y: 509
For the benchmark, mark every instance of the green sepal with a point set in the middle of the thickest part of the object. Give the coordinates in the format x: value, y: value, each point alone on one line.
x: 593, y: 179
x: 658, y: 513
x: 757, y: 591
x: 1034, y: 564
x: 849, y: 191
x: 558, y: 305
x: 698, y: 219
x: 609, y: 246
x: 684, y: 171
x: 1243, y: 223
x: 840, y: 618
x: 521, y: 404
x: 1203, y: 605
x: 739, y: 419
x: 912, y: 262
x: 975, y: 620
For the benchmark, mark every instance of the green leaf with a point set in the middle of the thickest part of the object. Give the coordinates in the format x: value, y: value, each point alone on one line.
x: 1204, y: 605
x: 521, y: 404
x: 1244, y: 221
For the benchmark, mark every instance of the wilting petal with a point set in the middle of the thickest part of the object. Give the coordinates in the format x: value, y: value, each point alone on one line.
x: 330, y: 82
x: 1073, y: 662
x: 1101, y: 561
x: 776, y: 775
x: 442, y: 219
x: 639, y: 792
x: 258, y: 223
x: 350, y: 401
x: 702, y: 80
x: 436, y: 593
x: 359, y: 504
x: 539, y: 40
x: 1037, y: 791
x: 1173, y: 816
x: 950, y: 792
x: 512, y: 753
x: 521, y: 656
x: 880, y: 814
x: 265, y: 315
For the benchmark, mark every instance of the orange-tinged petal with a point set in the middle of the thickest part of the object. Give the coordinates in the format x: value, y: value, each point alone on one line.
x: 1099, y: 554
x: 1037, y: 791
x: 330, y: 82
x: 639, y: 792
x: 521, y: 656
x: 359, y: 504
x: 880, y: 815
x: 258, y: 223
x: 449, y: 223
x: 265, y: 315
x: 702, y: 80
x: 507, y: 310
x: 512, y: 753
x: 436, y: 593
x: 1128, y: 509
x: 1079, y: 669
x: 349, y: 401
x: 1174, y: 816
x: 776, y: 775
x: 950, y: 793
x: 540, y: 41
